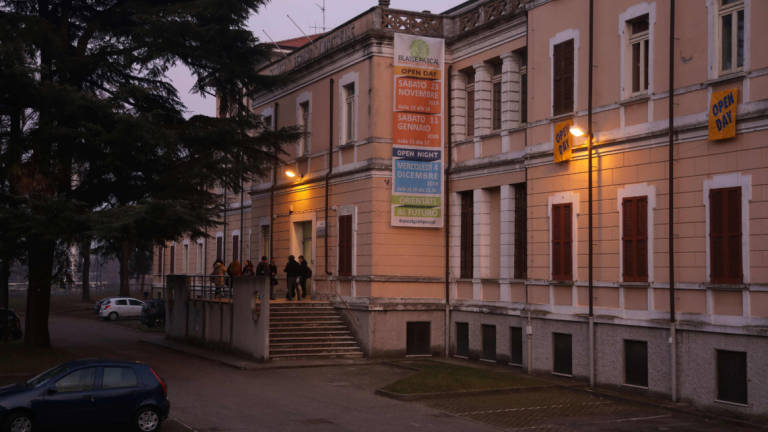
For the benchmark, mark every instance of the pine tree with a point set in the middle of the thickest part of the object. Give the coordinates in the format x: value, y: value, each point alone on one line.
x: 105, y: 151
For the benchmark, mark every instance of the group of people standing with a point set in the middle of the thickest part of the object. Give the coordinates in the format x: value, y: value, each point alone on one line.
x: 297, y: 274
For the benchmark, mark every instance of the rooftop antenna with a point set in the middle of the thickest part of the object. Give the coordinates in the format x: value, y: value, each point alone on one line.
x: 302, y: 31
x: 322, y: 9
x: 280, y: 50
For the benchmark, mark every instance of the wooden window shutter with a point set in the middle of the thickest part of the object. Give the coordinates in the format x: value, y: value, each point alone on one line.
x: 635, y: 239
x: 725, y: 235
x: 563, y: 78
x: 467, y: 234
x: 562, y: 262
x: 345, y: 245
x: 521, y: 232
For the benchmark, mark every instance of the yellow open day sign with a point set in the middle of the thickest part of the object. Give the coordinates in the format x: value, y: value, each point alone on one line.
x: 722, y: 114
x: 562, y: 141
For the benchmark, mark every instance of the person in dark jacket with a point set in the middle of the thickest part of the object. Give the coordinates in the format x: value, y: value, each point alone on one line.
x: 292, y: 271
x: 306, y: 273
x: 272, y: 278
x: 262, y: 268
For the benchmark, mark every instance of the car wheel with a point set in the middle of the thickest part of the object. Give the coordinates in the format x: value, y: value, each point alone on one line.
x: 18, y: 422
x: 147, y: 420
x: 112, y: 316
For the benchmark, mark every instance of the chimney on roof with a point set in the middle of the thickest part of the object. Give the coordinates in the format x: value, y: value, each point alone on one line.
x: 384, y: 3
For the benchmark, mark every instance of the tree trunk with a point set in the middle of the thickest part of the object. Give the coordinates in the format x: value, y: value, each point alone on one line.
x: 85, y: 253
x: 5, y: 275
x: 39, y: 293
x: 126, y: 250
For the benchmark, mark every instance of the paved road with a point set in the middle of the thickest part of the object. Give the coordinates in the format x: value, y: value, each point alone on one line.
x: 207, y: 396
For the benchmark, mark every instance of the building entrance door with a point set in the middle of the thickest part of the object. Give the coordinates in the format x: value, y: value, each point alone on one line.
x: 303, y: 246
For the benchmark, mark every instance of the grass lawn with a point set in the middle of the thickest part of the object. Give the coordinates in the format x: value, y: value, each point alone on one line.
x: 435, y: 377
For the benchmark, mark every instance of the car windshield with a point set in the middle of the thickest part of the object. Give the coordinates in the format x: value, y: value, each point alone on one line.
x: 50, y: 373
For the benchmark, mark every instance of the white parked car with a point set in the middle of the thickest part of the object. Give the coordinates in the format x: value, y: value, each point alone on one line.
x: 121, y: 307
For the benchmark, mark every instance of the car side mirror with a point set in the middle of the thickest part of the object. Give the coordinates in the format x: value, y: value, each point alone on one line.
x: 52, y: 390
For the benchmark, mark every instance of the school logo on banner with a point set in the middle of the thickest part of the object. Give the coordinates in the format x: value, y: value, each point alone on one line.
x: 563, y: 141
x: 722, y: 114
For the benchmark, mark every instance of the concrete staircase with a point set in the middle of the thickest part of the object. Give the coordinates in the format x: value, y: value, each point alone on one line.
x: 309, y: 330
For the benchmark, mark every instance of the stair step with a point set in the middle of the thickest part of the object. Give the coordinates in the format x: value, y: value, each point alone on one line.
x: 282, y: 338
x: 289, y: 327
x: 313, y: 350
x: 318, y: 344
x: 314, y: 356
x: 310, y: 335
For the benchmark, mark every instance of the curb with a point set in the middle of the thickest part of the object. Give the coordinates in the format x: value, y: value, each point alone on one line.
x: 256, y: 365
x: 460, y: 393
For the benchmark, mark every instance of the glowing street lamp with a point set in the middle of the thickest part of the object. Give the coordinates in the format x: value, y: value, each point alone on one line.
x: 290, y: 173
x: 576, y: 131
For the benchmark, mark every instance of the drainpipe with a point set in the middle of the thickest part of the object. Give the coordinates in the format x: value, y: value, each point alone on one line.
x: 447, y: 222
x: 272, y: 195
x: 328, y: 176
x: 590, y: 138
x: 672, y: 319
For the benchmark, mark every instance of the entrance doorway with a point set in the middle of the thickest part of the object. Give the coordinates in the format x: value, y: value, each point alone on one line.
x: 302, y: 234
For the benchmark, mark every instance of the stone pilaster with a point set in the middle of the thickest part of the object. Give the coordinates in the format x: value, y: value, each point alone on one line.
x: 481, y: 233
x: 458, y: 106
x: 482, y: 99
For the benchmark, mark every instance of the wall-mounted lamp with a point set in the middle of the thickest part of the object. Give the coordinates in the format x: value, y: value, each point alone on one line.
x: 576, y: 131
x: 290, y: 173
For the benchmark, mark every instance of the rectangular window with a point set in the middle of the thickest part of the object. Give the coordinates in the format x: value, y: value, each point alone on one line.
x: 160, y: 263
x: 563, y: 78
x: 345, y: 245
x: 467, y: 234
x: 731, y: 22
x: 516, y: 345
x: 634, y: 239
x: 489, y: 342
x: 732, y: 376
x: 200, y: 258
x: 186, y: 259
x: 172, y: 270
x: 470, y: 112
x: 636, y: 363
x: 523, y: 97
x: 521, y: 231
x: 235, y: 248
x: 725, y: 235
x: 563, y: 353
x: 304, y: 126
x: 219, y: 248
x: 496, y: 111
x: 265, y: 241
x: 639, y: 42
x: 349, y: 112
x: 562, y: 264
x: 462, y: 339
x: 417, y: 338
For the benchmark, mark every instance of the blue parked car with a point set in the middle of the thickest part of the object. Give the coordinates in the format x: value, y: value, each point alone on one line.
x: 86, y: 393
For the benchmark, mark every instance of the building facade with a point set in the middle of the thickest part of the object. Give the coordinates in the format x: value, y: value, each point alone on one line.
x: 508, y: 277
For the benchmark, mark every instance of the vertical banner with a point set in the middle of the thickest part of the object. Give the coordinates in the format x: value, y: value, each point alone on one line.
x: 722, y: 114
x: 562, y: 141
x: 417, y: 132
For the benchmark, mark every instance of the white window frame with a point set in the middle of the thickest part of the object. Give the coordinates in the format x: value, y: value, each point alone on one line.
x: 637, y: 190
x: 240, y: 253
x: 345, y: 81
x: 625, y: 34
x: 345, y: 211
x: 720, y: 181
x: 185, y: 255
x: 561, y: 37
x: 714, y: 26
x: 200, y: 255
x: 565, y: 198
x: 304, y: 145
x: 268, y: 112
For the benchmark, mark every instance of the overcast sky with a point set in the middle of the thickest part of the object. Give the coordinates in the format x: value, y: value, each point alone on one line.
x: 272, y: 19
